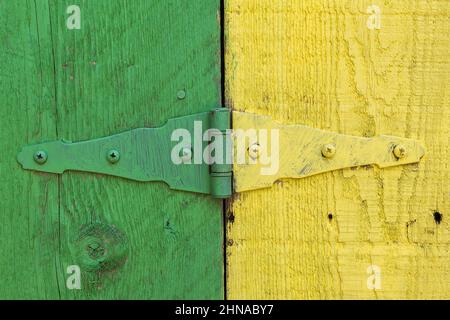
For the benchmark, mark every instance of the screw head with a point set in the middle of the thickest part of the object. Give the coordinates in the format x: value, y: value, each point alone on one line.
x: 40, y: 157
x: 186, y: 154
x: 400, y: 151
x: 181, y: 94
x: 328, y: 150
x: 113, y: 156
x: 254, y: 150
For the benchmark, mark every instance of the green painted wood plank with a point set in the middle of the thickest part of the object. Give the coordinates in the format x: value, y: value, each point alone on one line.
x: 29, y: 202
x: 122, y: 70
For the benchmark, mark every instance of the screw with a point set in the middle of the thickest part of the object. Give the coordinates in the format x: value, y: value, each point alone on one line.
x: 329, y: 150
x: 40, y: 157
x: 113, y: 156
x: 400, y: 151
x: 254, y: 150
x: 186, y: 154
x: 181, y: 94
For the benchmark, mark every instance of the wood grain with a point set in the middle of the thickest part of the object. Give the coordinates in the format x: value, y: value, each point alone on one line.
x: 29, y: 202
x: 317, y: 63
x: 122, y: 70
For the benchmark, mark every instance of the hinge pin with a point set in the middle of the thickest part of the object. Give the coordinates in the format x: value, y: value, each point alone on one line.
x: 329, y: 150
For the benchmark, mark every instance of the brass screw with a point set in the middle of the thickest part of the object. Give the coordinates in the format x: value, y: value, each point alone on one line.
x: 40, y: 157
x: 113, y: 156
x: 253, y: 151
x: 329, y: 150
x: 400, y: 151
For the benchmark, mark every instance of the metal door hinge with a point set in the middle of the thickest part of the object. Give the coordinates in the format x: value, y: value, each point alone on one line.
x: 200, y: 153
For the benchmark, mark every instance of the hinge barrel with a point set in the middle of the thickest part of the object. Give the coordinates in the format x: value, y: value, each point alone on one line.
x: 221, y: 168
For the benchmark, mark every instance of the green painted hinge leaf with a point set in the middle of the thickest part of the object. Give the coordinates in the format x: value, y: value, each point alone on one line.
x: 200, y: 153
x: 146, y: 154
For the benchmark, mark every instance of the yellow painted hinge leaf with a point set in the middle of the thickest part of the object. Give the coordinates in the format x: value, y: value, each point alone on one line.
x: 275, y: 151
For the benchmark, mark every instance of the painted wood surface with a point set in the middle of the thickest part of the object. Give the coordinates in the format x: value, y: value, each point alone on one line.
x: 29, y: 211
x: 127, y: 67
x: 327, y: 65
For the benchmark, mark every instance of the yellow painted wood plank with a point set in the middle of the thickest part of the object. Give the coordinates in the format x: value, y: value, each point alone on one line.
x: 330, y: 65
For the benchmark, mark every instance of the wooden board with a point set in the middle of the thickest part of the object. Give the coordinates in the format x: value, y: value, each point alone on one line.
x: 29, y: 211
x: 319, y: 64
x: 122, y: 70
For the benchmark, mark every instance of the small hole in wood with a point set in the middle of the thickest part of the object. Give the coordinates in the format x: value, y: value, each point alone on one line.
x: 437, y: 217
